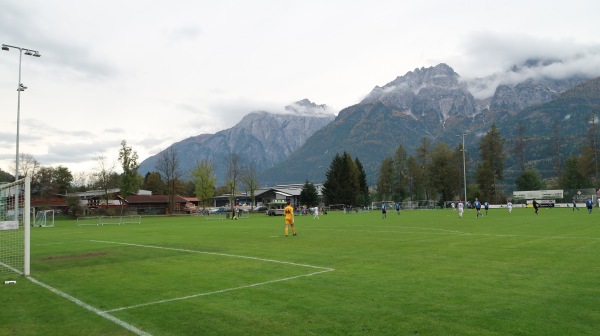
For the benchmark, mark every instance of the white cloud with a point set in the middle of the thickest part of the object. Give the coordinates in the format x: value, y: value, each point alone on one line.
x: 154, y: 73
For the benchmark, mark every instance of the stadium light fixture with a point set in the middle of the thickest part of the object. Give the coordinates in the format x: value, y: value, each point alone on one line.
x: 20, y: 87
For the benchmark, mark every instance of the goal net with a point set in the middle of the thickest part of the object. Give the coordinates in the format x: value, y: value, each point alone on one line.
x: 15, y: 227
x: 44, y: 218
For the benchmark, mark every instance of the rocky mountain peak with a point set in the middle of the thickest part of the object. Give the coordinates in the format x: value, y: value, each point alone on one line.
x: 305, y: 107
x: 432, y: 94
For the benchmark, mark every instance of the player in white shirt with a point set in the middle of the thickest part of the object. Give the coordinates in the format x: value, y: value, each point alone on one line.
x: 461, y: 208
x: 316, y: 212
x: 509, y: 206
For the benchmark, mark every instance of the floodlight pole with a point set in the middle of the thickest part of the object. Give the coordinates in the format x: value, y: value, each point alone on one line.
x: 464, y: 163
x: 20, y: 87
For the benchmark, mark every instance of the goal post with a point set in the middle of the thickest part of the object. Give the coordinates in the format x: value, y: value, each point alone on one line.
x: 15, y: 227
x: 44, y: 218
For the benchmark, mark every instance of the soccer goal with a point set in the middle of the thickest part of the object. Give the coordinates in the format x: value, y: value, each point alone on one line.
x: 15, y: 230
x: 44, y: 218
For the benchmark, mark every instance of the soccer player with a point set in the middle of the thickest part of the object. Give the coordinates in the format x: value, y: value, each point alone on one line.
x: 589, y: 204
x: 316, y: 212
x: 575, y: 205
x: 477, y: 205
x: 461, y: 208
x: 383, y: 210
x: 486, y: 206
x: 536, y: 206
x: 509, y: 205
x: 288, y: 211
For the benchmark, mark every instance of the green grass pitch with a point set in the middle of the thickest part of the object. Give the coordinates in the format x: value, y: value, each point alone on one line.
x: 418, y: 273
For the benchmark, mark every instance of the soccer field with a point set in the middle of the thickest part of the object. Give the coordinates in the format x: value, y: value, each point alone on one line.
x: 418, y: 273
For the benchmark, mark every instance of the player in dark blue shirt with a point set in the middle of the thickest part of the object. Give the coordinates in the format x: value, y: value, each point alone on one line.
x: 589, y: 205
x: 477, y: 205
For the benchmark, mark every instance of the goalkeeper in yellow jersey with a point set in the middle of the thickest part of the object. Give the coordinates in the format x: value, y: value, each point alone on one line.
x: 289, y: 219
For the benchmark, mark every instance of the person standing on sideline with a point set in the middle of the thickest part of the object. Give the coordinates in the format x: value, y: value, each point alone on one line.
x: 509, y: 206
x: 477, y: 206
x: 589, y: 205
x: 316, y: 212
x: 461, y: 209
x: 383, y: 211
x: 536, y: 206
x: 575, y: 205
x: 486, y: 206
x: 289, y: 219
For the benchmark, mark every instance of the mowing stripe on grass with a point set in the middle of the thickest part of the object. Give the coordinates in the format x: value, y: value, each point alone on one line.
x: 90, y: 308
x: 320, y: 268
x: 217, y: 254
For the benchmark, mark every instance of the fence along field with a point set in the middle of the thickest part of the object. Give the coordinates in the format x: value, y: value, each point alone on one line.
x: 420, y: 272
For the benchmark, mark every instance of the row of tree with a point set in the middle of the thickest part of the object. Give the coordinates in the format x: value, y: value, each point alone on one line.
x: 438, y: 172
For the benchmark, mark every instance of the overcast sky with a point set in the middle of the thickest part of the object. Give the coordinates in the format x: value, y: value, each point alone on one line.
x: 156, y: 72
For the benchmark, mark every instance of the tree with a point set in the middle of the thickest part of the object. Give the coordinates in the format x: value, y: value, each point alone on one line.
x: 572, y: 178
x: 530, y: 179
x: 400, y: 174
x: 130, y: 179
x: 249, y: 178
x: 168, y: 166
x: 154, y: 183
x: 443, y: 172
x: 233, y: 173
x: 28, y: 165
x: 205, y: 181
x: 491, y: 168
x: 385, y: 182
x: 49, y: 181
x: 309, y: 195
x: 588, y: 162
x: 342, y: 181
x: 104, y: 176
x: 63, y: 179
x: 519, y: 147
x: 363, y: 197
x: 421, y: 180
x: 6, y: 177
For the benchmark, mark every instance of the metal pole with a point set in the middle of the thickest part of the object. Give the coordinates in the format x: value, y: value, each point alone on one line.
x: 20, y: 87
x: 464, y: 166
x: 18, y: 115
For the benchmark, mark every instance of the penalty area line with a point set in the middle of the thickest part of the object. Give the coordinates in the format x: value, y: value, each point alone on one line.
x: 218, y: 291
x: 319, y: 269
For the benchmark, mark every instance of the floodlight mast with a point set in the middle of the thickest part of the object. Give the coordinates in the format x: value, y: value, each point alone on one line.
x: 20, y: 87
x: 464, y: 163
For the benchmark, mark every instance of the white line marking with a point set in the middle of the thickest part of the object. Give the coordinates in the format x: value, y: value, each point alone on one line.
x: 215, y: 253
x: 92, y: 309
x: 321, y: 270
x: 217, y: 292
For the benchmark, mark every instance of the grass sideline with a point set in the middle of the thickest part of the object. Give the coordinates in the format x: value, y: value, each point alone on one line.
x: 418, y: 273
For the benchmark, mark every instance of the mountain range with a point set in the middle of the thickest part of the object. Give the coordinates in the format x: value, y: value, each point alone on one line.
x: 261, y: 138
x: 434, y: 103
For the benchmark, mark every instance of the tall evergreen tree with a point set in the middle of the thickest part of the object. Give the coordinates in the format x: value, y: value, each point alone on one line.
x: 400, y: 174
x: 572, y: 178
x: 309, y: 195
x: 363, y: 197
x: 342, y: 184
x: 443, y: 172
x: 491, y: 168
x: 385, y: 181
